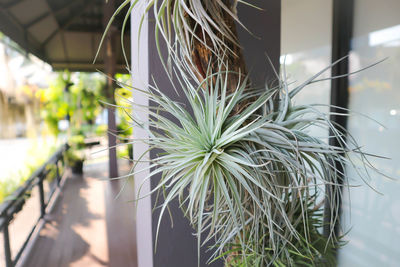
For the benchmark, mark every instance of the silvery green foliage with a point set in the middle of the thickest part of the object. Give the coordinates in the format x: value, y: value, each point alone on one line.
x: 247, y: 181
x: 179, y: 22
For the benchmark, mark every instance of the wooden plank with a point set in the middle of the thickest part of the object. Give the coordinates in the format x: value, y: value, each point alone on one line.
x: 88, y: 225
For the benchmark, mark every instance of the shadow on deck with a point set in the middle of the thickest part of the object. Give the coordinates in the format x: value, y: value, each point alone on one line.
x: 88, y: 226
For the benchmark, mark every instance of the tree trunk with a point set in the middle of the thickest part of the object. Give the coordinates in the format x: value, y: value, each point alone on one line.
x: 202, y: 57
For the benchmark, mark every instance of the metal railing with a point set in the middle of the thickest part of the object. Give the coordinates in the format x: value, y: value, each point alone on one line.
x: 14, y: 203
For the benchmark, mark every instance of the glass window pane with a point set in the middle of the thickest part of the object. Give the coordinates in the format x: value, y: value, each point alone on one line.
x: 374, y: 219
x: 306, y: 37
x: 306, y: 34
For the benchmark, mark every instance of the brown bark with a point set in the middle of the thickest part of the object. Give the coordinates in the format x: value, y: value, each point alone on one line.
x: 203, y: 58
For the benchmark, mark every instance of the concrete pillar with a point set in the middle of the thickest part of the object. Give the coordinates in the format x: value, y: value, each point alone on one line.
x: 177, y: 246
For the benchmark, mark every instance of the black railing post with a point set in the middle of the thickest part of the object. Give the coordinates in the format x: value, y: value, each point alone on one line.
x: 41, y: 193
x: 58, y: 173
x: 9, y: 208
x: 7, y: 249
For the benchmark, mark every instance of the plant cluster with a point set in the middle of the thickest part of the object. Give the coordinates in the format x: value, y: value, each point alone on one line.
x: 246, y: 171
x: 249, y: 181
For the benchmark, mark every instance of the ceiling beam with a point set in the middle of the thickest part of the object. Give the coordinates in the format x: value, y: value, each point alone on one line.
x: 59, y: 30
x: 87, y: 66
x: 50, y: 12
x: 77, y: 14
x: 26, y: 34
x: 36, y: 20
x: 65, y: 24
x: 12, y: 29
x: 10, y: 4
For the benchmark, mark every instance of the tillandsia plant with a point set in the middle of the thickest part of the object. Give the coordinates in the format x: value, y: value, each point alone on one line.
x: 248, y: 182
x: 240, y: 160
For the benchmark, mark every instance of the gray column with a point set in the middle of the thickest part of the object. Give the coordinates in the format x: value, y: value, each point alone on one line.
x: 177, y: 247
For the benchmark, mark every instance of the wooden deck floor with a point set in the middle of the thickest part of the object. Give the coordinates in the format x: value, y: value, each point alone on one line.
x: 88, y: 226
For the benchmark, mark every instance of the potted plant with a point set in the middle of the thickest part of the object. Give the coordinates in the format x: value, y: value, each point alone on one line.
x: 74, y: 157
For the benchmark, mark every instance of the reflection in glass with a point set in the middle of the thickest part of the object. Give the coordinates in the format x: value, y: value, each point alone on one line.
x: 374, y: 219
x: 305, y: 50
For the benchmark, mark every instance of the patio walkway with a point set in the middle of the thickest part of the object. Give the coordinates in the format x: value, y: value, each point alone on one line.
x: 88, y: 226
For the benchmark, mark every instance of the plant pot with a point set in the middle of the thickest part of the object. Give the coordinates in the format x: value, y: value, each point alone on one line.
x: 130, y: 151
x: 77, y: 167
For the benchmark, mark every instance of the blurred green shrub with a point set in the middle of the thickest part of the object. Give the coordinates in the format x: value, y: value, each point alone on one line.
x: 123, y: 98
x: 37, y: 156
x: 74, y: 99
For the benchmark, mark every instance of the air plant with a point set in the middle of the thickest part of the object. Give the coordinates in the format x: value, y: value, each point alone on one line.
x: 241, y: 161
x: 248, y: 181
x: 202, y: 32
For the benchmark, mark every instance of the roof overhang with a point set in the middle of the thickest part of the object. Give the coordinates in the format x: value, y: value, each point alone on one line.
x: 64, y: 33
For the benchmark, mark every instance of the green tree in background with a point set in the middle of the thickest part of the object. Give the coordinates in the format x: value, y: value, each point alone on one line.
x: 123, y: 99
x: 77, y: 101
